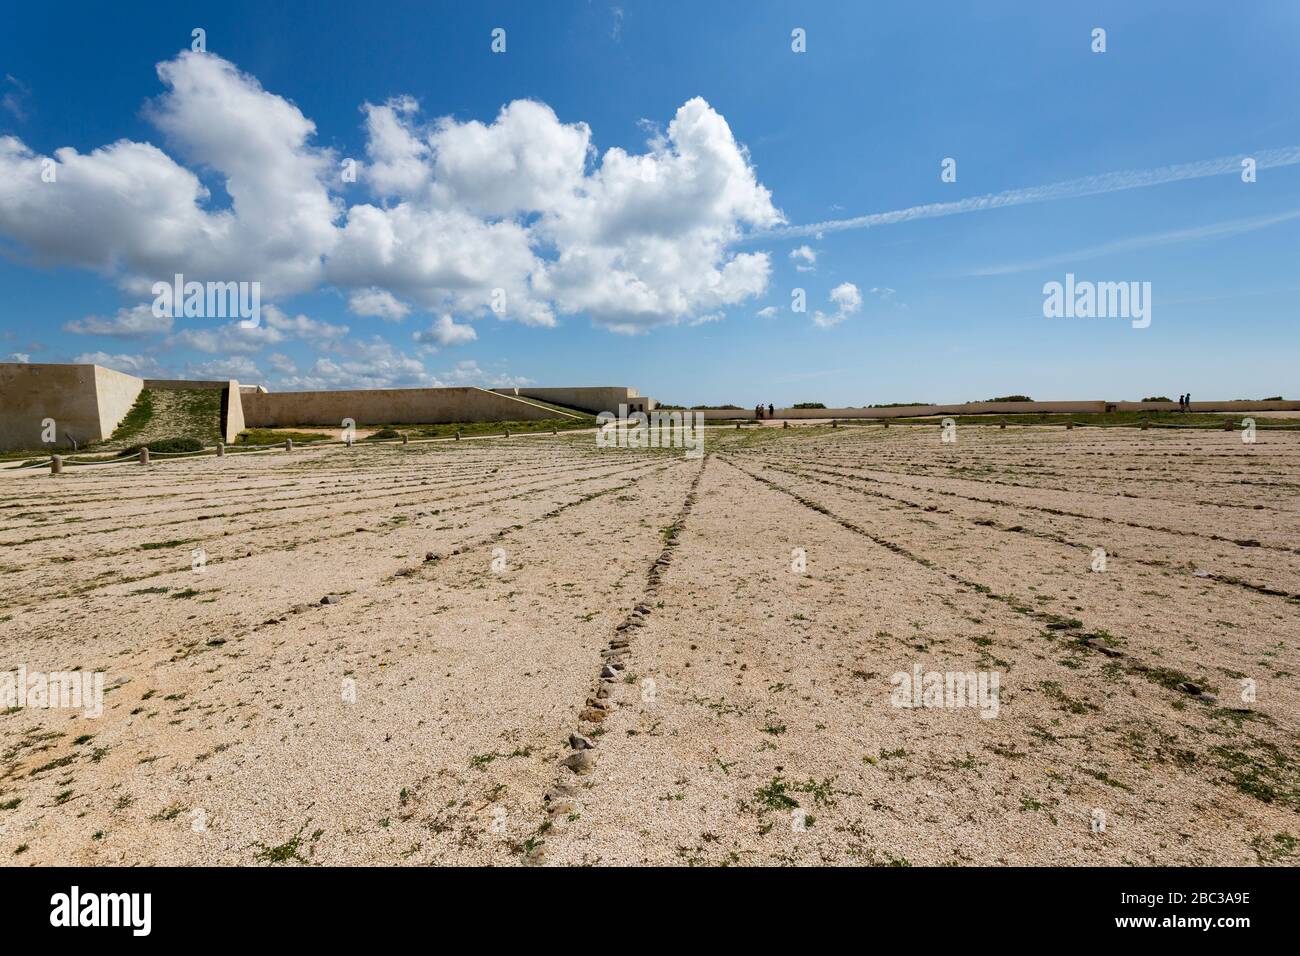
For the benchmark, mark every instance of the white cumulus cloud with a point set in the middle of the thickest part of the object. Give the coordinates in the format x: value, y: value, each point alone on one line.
x: 142, y: 365
x: 847, y: 299
x: 468, y: 372
x: 804, y: 259
x: 444, y: 331
x: 521, y: 217
x: 134, y: 322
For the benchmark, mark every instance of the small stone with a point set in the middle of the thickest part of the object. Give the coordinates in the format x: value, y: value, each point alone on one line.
x: 1207, y: 698
x: 561, y: 808
x: 603, y: 692
x: 608, y: 672
x: 432, y: 556
x: 592, y: 716
x: 1097, y: 644
x: 1203, y: 574
x: 331, y: 599
x: 579, y: 742
x: 600, y: 703
x: 1187, y: 687
x: 559, y: 792
x: 537, y: 855
x: 581, y: 762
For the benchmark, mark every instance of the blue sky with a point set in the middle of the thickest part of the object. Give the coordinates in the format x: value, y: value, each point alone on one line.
x: 614, y: 284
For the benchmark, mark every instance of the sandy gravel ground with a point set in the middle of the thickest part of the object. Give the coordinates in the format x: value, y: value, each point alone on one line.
x: 539, y: 652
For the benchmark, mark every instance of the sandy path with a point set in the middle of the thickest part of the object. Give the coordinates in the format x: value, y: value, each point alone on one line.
x: 480, y: 585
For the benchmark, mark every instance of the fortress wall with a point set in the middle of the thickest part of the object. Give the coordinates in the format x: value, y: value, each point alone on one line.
x: 966, y: 408
x: 1230, y: 406
x: 115, y: 393
x: 232, y: 412
x: 596, y: 399
x: 386, y: 406
x: 1005, y: 408
x: 85, y: 401
x: 184, y: 385
x: 713, y: 414
x: 913, y: 411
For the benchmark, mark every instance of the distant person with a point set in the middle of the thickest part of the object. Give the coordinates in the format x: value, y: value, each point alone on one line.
x: 771, y: 411
x: 1188, y: 402
x: 1182, y: 401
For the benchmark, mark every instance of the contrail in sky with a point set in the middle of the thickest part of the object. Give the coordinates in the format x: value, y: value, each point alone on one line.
x: 1218, y: 230
x: 1069, y: 189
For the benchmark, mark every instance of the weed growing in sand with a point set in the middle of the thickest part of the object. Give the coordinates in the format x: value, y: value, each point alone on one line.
x: 289, y: 851
x: 482, y: 760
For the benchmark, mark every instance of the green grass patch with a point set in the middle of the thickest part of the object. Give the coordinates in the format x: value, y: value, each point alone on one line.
x: 166, y: 446
x: 157, y: 413
x: 137, y: 418
x: 174, y: 543
x: 276, y: 436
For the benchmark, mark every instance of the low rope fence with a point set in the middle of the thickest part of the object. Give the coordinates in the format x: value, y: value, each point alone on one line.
x: 218, y: 451
x: 146, y: 455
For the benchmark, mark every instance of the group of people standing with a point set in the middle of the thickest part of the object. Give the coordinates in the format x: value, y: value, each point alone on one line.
x: 758, y: 411
x: 1185, y: 402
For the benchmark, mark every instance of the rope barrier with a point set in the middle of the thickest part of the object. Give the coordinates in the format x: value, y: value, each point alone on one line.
x: 1226, y: 425
x: 103, y: 461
